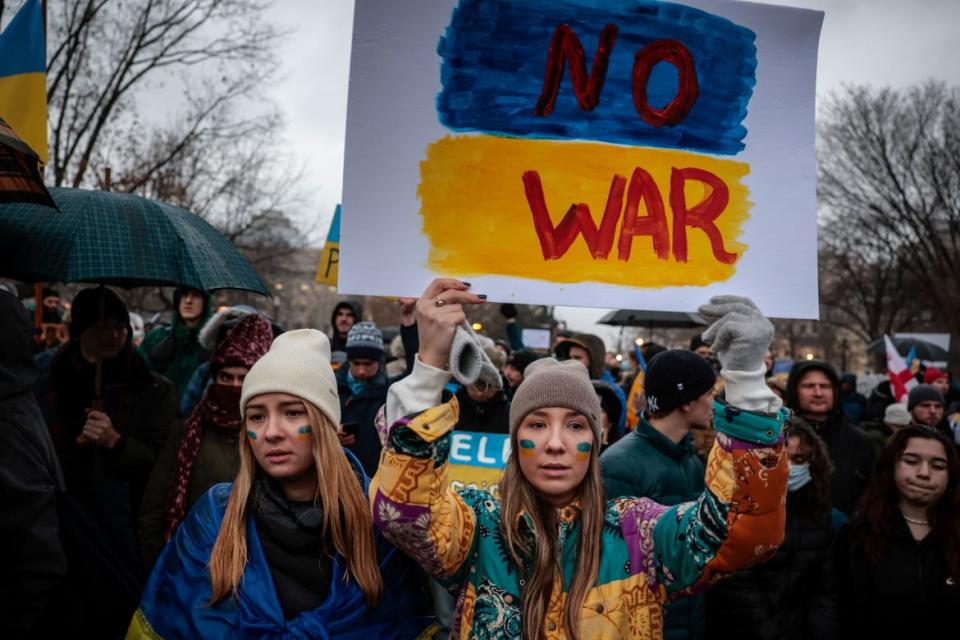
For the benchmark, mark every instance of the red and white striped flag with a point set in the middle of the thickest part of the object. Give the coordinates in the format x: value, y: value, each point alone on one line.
x: 901, y: 378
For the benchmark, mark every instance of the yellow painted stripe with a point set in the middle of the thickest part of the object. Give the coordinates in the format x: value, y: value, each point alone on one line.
x: 23, y: 104
x: 478, y: 220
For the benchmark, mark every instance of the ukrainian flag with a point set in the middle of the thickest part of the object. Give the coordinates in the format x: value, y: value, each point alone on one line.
x: 23, y: 77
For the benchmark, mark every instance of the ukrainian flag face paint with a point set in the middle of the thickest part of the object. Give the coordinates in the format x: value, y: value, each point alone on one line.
x: 554, y: 447
x: 583, y: 450
x: 303, y: 433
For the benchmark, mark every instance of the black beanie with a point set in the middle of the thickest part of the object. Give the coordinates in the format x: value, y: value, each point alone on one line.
x: 923, y: 393
x: 86, y: 310
x: 675, y: 377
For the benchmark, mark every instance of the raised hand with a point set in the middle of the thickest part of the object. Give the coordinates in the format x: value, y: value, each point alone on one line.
x: 739, y: 334
x: 439, y: 310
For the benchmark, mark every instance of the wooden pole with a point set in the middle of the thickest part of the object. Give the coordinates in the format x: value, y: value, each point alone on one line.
x: 38, y: 311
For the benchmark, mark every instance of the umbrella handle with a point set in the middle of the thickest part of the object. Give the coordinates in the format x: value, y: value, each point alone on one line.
x: 97, y: 404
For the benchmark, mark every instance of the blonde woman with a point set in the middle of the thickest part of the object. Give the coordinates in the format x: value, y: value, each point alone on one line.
x: 288, y: 550
x: 553, y: 558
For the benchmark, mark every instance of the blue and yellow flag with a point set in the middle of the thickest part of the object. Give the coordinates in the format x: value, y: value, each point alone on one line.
x: 328, y: 269
x: 913, y: 362
x: 23, y: 77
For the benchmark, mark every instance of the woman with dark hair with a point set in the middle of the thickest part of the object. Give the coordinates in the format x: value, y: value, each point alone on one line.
x: 551, y: 557
x: 794, y: 594
x: 902, y: 552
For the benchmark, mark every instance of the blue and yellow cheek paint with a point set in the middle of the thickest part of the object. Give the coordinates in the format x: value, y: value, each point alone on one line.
x: 303, y: 433
x: 527, y: 448
x: 252, y: 435
x: 583, y: 450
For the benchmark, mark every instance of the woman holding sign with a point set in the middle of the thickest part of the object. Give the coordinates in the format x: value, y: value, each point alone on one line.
x: 288, y: 549
x: 552, y: 558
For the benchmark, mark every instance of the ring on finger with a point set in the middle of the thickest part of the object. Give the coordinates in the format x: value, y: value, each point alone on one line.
x: 439, y: 302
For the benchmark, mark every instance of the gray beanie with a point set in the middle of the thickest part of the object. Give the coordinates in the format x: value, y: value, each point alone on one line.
x: 550, y: 383
x: 923, y: 393
x: 364, y: 342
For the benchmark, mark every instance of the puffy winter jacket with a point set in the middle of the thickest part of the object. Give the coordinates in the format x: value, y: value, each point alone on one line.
x: 647, y: 464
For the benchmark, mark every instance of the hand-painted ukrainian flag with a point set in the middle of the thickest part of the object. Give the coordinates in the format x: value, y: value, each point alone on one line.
x: 328, y: 269
x: 23, y: 77
x: 655, y: 144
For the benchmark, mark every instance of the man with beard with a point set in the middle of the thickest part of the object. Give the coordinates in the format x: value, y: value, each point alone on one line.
x: 813, y: 392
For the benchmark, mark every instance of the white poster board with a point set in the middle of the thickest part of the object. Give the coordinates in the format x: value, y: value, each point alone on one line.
x: 614, y: 153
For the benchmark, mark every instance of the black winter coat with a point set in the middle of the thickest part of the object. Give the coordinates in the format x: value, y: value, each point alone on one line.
x: 793, y: 595
x: 104, y: 486
x: 851, y: 449
x: 853, y: 453
x: 362, y: 409
x: 908, y: 594
x: 30, y: 477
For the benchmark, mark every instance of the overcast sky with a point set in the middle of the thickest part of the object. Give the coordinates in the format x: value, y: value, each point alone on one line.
x: 881, y: 42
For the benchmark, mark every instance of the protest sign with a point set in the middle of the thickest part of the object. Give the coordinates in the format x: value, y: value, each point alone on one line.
x: 477, y: 459
x: 615, y: 153
x: 328, y: 268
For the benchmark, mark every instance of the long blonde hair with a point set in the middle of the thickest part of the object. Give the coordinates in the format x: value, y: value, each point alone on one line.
x: 346, y: 516
x: 541, y: 551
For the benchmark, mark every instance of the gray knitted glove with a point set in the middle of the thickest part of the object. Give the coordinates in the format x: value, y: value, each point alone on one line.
x: 740, y: 334
x: 468, y: 362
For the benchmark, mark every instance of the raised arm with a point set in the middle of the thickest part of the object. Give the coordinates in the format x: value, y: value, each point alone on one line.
x: 410, y: 496
x: 739, y: 519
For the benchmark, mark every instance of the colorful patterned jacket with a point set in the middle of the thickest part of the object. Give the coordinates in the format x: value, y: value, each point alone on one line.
x: 650, y: 553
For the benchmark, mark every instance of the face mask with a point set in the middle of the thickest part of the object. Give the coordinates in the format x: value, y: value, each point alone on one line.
x: 799, y: 476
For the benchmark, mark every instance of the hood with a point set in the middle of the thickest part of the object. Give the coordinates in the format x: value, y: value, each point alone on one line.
x: 18, y: 371
x: 799, y: 368
x: 177, y: 320
x: 594, y: 346
x: 610, y: 402
x: 215, y: 329
x: 353, y: 305
x: 850, y: 378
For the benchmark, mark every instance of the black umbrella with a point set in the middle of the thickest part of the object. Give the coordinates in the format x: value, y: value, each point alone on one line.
x: 653, y: 319
x: 925, y: 350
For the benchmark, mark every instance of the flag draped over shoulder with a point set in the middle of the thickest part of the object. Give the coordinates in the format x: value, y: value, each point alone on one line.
x: 23, y: 77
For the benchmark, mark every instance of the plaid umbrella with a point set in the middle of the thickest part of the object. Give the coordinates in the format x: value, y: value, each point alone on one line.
x: 118, y: 239
x: 20, y: 179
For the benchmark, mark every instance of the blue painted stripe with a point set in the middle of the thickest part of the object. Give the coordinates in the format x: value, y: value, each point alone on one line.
x: 22, y: 47
x: 334, y: 234
x: 495, y: 55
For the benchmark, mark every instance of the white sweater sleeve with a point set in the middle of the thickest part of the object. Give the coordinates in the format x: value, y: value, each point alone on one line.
x: 748, y: 390
x: 422, y: 389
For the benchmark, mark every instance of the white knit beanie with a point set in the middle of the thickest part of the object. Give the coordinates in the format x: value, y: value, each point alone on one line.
x: 297, y: 363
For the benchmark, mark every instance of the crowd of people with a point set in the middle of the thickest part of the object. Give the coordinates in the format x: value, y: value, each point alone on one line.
x: 218, y: 476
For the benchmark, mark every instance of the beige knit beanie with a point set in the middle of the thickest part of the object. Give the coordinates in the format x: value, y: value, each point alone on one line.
x: 297, y: 363
x: 550, y: 383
